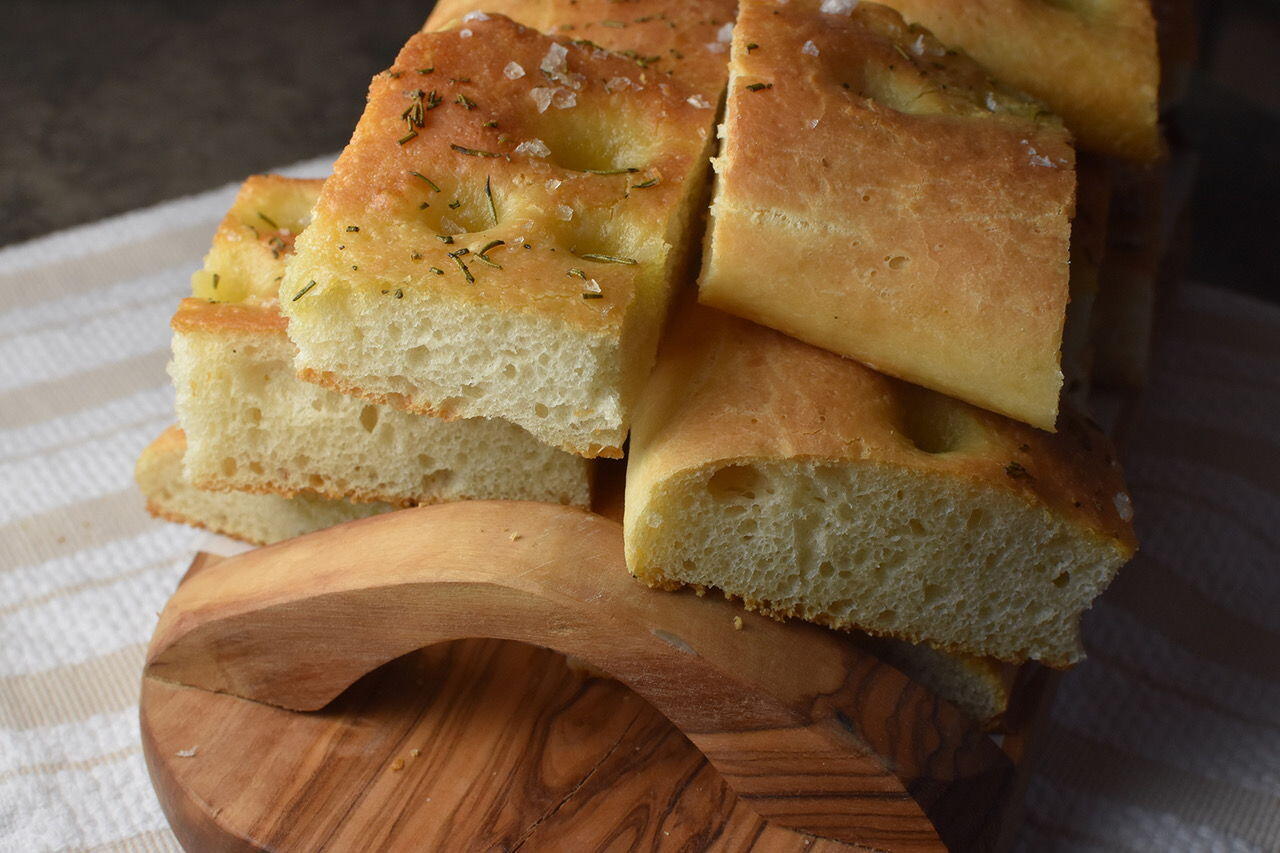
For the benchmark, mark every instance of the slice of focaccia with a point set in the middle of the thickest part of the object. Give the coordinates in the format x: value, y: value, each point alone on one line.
x: 882, y: 198
x: 688, y: 39
x: 252, y: 425
x: 1094, y: 62
x: 258, y: 519
x: 500, y: 238
x: 811, y: 486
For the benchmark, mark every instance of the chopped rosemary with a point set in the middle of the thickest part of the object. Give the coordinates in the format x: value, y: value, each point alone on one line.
x: 493, y: 122
x: 593, y: 296
x: 644, y: 185
x: 399, y: 293
x: 608, y: 259
x: 215, y: 281
x: 466, y: 273
x: 353, y: 227
x: 415, y: 256
x: 752, y: 46
x: 902, y: 52
x: 455, y: 204
x: 615, y: 24
x: 436, y: 270
x: 465, y: 102
x: 480, y: 255
x: 433, y: 100
x: 488, y: 191
x: 426, y: 180
x: 756, y: 87
x: 408, y: 137
x: 574, y: 271
x: 444, y: 238
x: 422, y: 205
x: 460, y: 252
x: 268, y: 220
x: 303, y: 292
x: 1015, y: 471
x: 395, y: 75
x: 426, y: 70
x: 625, y: 171
x: 472, y: 152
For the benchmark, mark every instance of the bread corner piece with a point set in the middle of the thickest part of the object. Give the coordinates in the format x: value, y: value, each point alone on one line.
x: 252, y: 425
x: 1094, y: 63
x: 810, y: 486
x: 500, y: 237
x: 880, y: 196
x: 257, y: 519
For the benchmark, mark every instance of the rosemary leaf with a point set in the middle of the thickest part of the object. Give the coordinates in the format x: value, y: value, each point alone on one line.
x: 303, y: 292
x: 608, y: 259
x: 426, y: 180
x: 472, y: 152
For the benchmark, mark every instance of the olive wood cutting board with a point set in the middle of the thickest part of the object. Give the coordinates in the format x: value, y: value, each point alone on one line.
x: 394, y: 683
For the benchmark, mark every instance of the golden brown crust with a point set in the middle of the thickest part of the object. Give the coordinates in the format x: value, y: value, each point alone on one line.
x: 684, y: 39
x: 888, y: 201
x: 201, y: 316
x: 728, y: 390
x: 246, y: 260
x: 1095, y: 64
x: 371, y: 230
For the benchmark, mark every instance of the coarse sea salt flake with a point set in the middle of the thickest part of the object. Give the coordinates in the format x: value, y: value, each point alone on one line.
x: 448, y: 226
x: 811, y: 123
x: 464, y: 33
x: 1124, y: 506
x: 699, y: 102
x: 809, y: 48
x: 474, y: 16
x: 534, y: 148
x: 992, y: 103
x: 564, y: 211
x: 725, y: 33
x: 556, y: 60
x: 716, y: 46
x: 838, y: 7
x: 541, y: 97
x: 552, y: 185
x: 592, y: 286
x: 563, y: 99
x: 513, y: 70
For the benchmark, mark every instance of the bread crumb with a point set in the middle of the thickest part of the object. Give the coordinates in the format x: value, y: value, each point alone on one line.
x: 515, y: 537
x: 415, y: 752
x: 737, y: 623
x: 398, y: 764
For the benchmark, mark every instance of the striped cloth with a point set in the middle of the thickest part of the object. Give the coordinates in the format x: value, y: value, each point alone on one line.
x: 1167, y: 738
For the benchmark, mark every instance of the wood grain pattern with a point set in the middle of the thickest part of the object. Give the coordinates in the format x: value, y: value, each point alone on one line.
x: 515, y: 752
x: 812, y: 732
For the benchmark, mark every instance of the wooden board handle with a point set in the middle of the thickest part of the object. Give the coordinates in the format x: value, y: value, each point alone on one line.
x: 815, y: 733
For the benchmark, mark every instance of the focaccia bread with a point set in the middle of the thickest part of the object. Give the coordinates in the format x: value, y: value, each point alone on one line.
x: 688, y: 39
x: 252, y: 425
x: 811, y: 486
x: 882, y: 198
x: 257, y: 519
x: 500, y: 237
x: 1094, y: 63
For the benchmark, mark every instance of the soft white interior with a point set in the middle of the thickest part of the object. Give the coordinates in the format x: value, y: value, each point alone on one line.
x: 562, y: 385
x: 252, y: 424
x: 260, y: 519
x: 879, y: 548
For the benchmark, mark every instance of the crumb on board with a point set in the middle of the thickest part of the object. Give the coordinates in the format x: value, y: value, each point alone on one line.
x: 398, y: 764
x: 415, y: 752
x: 187, y: 753
x: 737, y: 623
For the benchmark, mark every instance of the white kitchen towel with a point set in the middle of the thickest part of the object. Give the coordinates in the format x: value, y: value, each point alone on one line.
x: 1167, y: 738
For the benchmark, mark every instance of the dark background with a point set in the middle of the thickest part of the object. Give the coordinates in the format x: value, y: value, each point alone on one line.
x: 108, y: 106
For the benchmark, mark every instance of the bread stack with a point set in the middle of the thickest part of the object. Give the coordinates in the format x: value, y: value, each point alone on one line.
x: 857, y: 417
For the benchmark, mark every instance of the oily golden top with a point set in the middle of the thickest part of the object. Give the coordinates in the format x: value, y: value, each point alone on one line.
x: 497, y: 165
x: 1094, y: 62
x: 249, y: 248
x: 727, y: 391
x: 686, y: 39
